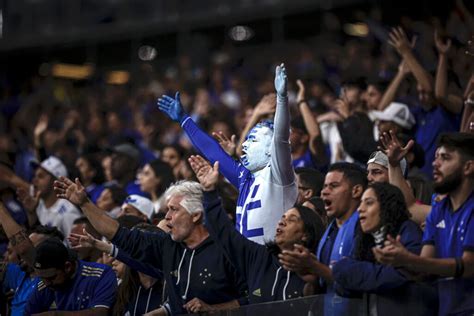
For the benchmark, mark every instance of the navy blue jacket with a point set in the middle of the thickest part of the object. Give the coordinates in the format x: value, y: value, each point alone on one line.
x: 266, y: 278
x: 204, y: 272
x: 395, y: 293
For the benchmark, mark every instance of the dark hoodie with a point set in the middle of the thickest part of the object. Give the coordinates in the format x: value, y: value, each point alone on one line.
x: 267, y: 280
x: 204, y: 272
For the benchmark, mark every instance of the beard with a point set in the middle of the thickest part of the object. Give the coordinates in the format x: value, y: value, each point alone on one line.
x: 450, y: 182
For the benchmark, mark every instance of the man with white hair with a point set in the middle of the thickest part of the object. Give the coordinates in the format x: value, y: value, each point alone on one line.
x: 199, y: 277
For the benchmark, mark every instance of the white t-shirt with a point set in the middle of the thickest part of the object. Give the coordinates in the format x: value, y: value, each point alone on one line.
x: 61, y: 215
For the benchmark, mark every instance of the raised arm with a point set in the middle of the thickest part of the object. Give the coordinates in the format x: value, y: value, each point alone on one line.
x: 452, y: 103
x: 281, y: 164
x: 240, y: 250
x: 395, y: 153
x: 399, y: 41
x: 316, y: 145
x: 391, y: 92
x: 204, y: 143
x: 17, y: 236
x: 75, y: 193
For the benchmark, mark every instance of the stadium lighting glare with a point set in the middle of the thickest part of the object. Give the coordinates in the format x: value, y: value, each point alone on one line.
x: 147, y: 53
x: 356, y: 29
x: 240, y: 33
x: 70, y: 71
x: 117, y: 77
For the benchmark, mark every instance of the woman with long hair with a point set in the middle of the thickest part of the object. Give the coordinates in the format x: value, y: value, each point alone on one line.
x: 382, y: 213
x: 155, y: 177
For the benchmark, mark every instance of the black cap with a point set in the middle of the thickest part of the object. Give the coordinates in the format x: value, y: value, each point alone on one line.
x: 51, y: 253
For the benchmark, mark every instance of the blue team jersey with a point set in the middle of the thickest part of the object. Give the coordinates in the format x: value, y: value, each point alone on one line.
x: 23, y: 285
x: 451, y: 233
x: 94, y: 285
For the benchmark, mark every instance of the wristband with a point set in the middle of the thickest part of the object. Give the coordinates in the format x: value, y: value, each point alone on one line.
x: 301, y: 101
x: 459, y: 268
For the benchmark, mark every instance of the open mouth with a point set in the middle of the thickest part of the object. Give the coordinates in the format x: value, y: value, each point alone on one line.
x: 327, y: 204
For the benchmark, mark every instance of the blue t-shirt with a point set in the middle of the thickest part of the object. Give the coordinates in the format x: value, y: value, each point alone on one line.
x: 94, y: 285
x: 429, y: 124
x: 23, y: 285
x: 452, y: 233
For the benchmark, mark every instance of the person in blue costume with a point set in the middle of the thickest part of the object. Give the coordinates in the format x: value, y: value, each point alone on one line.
x: 264, y: 175
x: 383, y: 212
x: 343, y: 188
x: 448, y: 240
x: 266, y: 278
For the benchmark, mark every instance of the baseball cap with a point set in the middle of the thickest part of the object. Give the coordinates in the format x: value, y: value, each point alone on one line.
x: 51, y: 253
x: 53, y: 165
x: 398, y: 113
x: 380, y: 158
x: 128, y: 150
x: 141, y: 203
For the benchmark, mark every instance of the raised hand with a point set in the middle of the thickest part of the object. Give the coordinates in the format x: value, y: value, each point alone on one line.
x: 299, y: 260
x: 399, y: 40
x: 301, y: 90
x: 88, y: 241
x: 266, y: 106
x: 442, y: 47
x: 74, y: 192
x: 393, y: 253
x: 229, y: 145
x: 206, y: 174
x: 172, y: 107
x: 29, y: 202
x: 41, y: 125
x: 392, y: 147
x: 281, y: 80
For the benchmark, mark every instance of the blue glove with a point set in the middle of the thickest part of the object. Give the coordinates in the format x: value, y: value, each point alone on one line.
x: 172, y: 107
x: 281, y: 80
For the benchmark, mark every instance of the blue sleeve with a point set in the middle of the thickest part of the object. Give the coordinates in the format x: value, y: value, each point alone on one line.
x: 468, y: 242
x: 142, y: 246
x: 38, y: 302
x: 105, y: 291
x: 213, y: 152
x: 430, y: 229
x: 10, y: 281
x: 145, y: 268
x: 243, y: 253
x: 366, y: 276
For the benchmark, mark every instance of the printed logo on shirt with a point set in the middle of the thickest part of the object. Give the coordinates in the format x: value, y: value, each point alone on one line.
x: 62, y: 210
x: 241, y: 174
x: 53, y: 305
x: 441, y: 224
x: 257, y: 292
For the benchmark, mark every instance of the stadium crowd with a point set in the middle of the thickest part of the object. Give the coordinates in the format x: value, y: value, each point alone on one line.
x: 345, y: 171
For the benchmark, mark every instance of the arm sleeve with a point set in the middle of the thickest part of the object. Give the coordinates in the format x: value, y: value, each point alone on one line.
x: 37, y: 303
x: 141, y: 246
x: 211, y: 149
x: 429, y: 233
x: 281, y: 165
x: 468, y: 243
x: 243, y: 253
x: 145, y: 268
x: 366, y: 276
x: 105, y: 291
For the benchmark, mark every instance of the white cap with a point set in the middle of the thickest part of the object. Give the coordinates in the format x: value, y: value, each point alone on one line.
x: 398, y: 113
x: 53, y: 165
x: 141, y: 203
x: 379, y: 158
